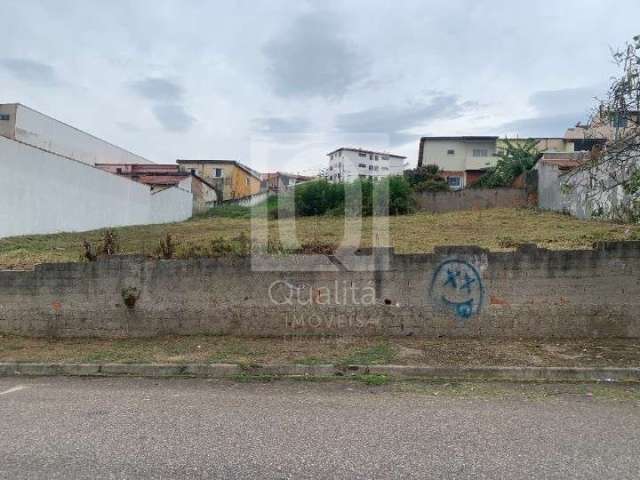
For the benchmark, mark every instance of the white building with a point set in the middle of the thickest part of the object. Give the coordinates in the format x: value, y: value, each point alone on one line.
x: 49, y: 184
x: 26, y: 125
x: 349, y: 164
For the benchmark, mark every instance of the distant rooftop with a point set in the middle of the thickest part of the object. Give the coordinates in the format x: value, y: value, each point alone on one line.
x: 565, y: 160
x: 360, y: 150
x: 463, y: 138
x: 150, y: 174
x: 247, y: 169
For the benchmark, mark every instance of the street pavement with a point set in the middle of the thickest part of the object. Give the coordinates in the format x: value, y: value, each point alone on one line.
x: 120, y: 428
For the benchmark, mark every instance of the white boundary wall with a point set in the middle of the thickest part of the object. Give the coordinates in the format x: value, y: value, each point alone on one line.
x: 45, y: 193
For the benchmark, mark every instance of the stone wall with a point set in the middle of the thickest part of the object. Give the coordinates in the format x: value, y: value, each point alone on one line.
x: 471, y: 199
x: 457, y: 291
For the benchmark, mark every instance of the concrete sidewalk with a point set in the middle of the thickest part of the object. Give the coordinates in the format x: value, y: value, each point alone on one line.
x: 383, y: 372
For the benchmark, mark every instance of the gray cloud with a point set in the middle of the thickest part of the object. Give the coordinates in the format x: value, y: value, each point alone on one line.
x: 173, y: 117
x: 166, y: 97
x: 157, y: 89
x: 558, y: 110
x: 281, y: 125
x: 546, y: 126
x: 565, y: 100
x: 394, y: 120
x: 31, y: 71
x: 314, y: 58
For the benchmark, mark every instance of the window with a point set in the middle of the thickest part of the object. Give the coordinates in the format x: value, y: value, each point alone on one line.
x: 362, y: 154
x: 246, y: 180
x: 370, y: 167
x: 451, y: 151
x: 362, y: 165
x: 218, y: 172
x: 193, y: 171
x: 385, y: 157
x: 5, y: 117
x: 119, y: 171
x: 453, y: 181
x: 480, y: 152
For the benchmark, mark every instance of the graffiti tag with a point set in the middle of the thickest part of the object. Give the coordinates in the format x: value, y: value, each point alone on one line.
x: 457, y: 287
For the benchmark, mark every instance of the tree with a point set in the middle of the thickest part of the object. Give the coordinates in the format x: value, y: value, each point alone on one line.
x: 426, y: 179
x: 514, y: 159
x: 610, y: 179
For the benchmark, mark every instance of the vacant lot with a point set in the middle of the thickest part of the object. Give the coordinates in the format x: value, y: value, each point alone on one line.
x: 498, y: 229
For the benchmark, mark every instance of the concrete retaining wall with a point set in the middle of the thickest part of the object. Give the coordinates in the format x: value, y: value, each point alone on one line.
x: 471, y: 199
x: 462, y: 291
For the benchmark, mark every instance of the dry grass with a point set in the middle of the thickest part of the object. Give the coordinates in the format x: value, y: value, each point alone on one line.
x: 334, y: 350
x: 497, y: 229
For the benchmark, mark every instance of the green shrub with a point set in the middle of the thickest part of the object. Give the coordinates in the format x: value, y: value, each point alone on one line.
x: 324, y: 198
x: 426, y: 179
x: 227, y: 211
x: 318, y: 198
x: 513, y: 160
x: 400, y: 196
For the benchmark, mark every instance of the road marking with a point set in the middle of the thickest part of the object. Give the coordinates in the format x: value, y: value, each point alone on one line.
x: 14, y: 389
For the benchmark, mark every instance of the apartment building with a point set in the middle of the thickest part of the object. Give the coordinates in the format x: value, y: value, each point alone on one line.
x: 349, y: 164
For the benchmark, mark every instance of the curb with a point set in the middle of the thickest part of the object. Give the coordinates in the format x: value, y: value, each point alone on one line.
x: 505, y: 374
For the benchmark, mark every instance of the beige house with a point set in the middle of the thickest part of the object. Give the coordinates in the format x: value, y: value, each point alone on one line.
x: 462, y: 160
x: 231, y: 179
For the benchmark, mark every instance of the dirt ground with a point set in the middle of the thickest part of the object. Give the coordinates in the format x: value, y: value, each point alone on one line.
x: 495, y: 229
x: 315, y: 350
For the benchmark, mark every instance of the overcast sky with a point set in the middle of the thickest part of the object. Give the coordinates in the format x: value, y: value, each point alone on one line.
x: 209, y: 79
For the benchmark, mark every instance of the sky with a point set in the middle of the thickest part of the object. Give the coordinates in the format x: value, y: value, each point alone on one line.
x: 289, y: 79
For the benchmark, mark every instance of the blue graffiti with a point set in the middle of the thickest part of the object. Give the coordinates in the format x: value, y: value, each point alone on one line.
x: 457, y: 287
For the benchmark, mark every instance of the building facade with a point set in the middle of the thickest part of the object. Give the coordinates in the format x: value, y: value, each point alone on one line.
x: 463, y: 160
x: 349, y: 164
x: 23, y: 124
x: 231, y: 179
x: 282, y: 182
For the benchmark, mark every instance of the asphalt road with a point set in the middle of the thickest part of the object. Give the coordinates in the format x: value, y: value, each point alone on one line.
x: 141, y: 428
